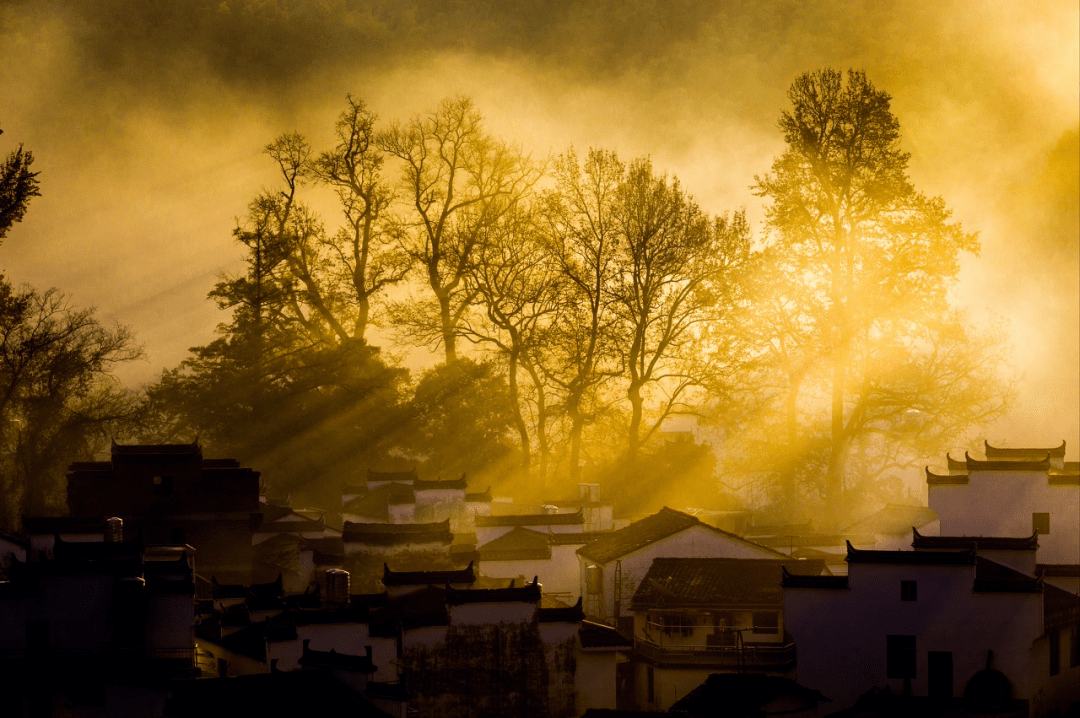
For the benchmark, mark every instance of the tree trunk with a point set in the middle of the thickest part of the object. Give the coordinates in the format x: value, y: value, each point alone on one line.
x: 519, y: 420
x: 633, y: 443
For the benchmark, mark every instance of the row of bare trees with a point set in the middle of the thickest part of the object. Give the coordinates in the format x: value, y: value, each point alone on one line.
x: 609, y: 301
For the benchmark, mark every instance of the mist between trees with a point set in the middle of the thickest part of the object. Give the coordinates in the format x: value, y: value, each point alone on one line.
x: 580, y: 304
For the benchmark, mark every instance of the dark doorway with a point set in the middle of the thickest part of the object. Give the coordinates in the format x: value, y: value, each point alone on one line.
x: 939, y: 674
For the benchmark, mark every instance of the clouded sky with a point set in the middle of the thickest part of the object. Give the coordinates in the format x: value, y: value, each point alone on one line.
x: 147, y: 120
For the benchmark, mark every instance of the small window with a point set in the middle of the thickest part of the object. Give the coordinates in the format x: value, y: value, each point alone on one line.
x: 909, y: 590
x: 1055, y: 653
x: 900, y: 656
x: 766, y: 622
x: 163, y: 485
x: 1040, y: 523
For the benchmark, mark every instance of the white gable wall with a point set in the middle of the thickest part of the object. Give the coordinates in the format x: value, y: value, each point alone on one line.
x: 1000, y: 503
x: 692, y: 542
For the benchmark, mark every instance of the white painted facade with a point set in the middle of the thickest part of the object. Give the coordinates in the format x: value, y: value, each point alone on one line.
x: 841, y: 633
x: 1002, y: 503
x: 699, y: 541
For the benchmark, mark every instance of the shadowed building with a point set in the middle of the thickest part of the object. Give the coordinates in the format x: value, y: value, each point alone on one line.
x: 168, y: 493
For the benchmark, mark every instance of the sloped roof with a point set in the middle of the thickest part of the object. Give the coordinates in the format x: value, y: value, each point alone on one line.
x: 440, y: 484
x: 531, y: 520
x: 334, y: 660
x: 426, y: 578
x: 734, y: 695
x: 992, y: 577
x: 666, y: 522
x: 517, y: 544
x: 376, y: 502
x: 597, y: 635
x: 893, y: 520
x: 791, y: 580
x: 717, y: 581
x: 389, y: 534
x: 986, y: 543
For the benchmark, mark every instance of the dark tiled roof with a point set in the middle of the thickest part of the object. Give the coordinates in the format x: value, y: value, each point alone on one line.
x: 1041, y: 463
x: 911, y: 558
x: 664, y: 523
x: 517, y: 544
x: 427, y: 578
x: 934, y: 479
x: 407, y: 476
x: 986, y: 543
x: 576, y: 537
x: 531, y: 520
x: 992, y: 577
x: 376, y: 502
x: 96, y: 550
x: 1058, y: 570
x: 529, y: 593
x: 480, y: 496
x: 337, y: 661
x: 452, y: 484
x: 832, y: 582
x: 996, y: 452
x: 745, y: 695
x: 391, y: 534
x: 192, y: 449
x: 597, y: 635
x: 717, y: 581
x: 561, y: 614
x: 893, y: 520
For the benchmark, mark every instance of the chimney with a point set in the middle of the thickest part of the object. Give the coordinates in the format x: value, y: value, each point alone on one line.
x: 583, y: 490
x: 594, y: 493
x: 114, y: 529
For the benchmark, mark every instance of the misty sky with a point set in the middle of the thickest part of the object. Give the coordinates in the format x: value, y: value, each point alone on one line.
x: 147, y: 121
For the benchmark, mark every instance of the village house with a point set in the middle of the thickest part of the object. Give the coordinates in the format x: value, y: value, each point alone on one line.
x: 436, y: 643
x: 612, y: 566
x: 697, y: 616
x: 96, y: 622
x: 402, y: 497
x: 937, y: 624
x: 1013, y: 492
x: 168, y: 493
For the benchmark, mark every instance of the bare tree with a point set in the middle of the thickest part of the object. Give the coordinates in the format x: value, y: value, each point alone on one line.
x: 458, y: 181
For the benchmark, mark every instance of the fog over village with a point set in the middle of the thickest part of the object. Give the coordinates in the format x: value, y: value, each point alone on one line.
x: 540, y: 359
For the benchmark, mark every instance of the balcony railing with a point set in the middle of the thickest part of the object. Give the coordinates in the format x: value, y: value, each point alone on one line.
x: 753, y: 656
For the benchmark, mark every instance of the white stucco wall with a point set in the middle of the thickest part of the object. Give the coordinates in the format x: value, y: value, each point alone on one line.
x: 840, y: 634
x: 692, y: 542
x: 1000, y: 503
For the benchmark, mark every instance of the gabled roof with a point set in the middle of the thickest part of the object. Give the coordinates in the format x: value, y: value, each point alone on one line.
x: 1037, y: 463
x: 561, y: 614
x: 517, y: 544
x: 573, y: 519
x: 428, y: 578
x: 911, y: 558
x: 717, y: 582
x: 745, y: 695
x: 986, y: 543
x: 376, y: 502
x: 666, y: 522
x: 893, y: 520
x: 597, y: 635
x: 992, y: 577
